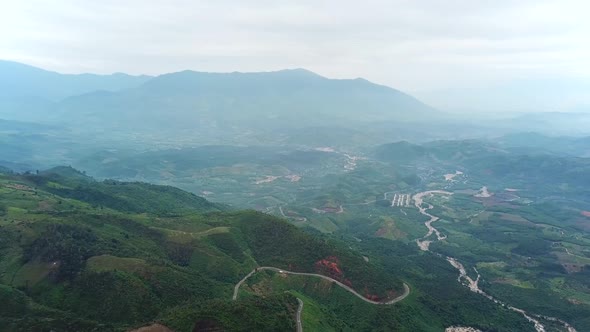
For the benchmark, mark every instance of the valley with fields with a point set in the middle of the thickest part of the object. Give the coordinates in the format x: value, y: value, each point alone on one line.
x: 461, y: 238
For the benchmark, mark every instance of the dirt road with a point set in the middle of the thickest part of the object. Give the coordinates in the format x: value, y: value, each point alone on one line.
x: 350, y: 290
x: 299, y: 311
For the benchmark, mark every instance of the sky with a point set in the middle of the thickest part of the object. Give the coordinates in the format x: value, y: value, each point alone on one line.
x: 501, y: 55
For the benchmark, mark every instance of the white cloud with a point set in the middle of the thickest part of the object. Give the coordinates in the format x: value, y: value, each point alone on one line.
x: 412, y: 45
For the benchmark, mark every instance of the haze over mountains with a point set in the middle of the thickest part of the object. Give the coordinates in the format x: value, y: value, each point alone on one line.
x: 520, y: 95
x: 281, y: 96
x: 252, y: 101
x: 48, y: 119
x: 291, y: 106
x: 20, y: 81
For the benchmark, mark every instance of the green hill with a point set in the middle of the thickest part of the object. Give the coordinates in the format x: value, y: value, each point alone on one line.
x: 123, y: 196
x: 494, y: 162
x: 77, y: 254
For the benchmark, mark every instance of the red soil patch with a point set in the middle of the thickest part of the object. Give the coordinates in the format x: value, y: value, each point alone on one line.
x: 347, y: 282
x: 370, y: 296
x: 329, y: 266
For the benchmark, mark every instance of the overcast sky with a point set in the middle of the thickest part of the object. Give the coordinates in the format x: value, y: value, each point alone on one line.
x: 436, y: 50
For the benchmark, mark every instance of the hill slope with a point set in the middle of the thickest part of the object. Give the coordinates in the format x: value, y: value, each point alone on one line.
x: 72, y: 258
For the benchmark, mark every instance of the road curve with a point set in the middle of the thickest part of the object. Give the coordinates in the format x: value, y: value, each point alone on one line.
x: 350, y: 290
x: 299, y: 311
x: 237, y: 286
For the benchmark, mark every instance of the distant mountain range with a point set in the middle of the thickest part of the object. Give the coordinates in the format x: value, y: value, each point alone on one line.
x: 549, y: 123
x: 18, y: 81
x: 286, y: 107
x: 210, y: 103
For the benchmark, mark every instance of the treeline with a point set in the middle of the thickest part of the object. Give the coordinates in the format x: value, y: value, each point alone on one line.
x: 269, y: 313
x: 63, y: 245
x: 133, y: 197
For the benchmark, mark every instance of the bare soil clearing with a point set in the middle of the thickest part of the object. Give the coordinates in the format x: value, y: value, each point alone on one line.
x: 325, y: 149
x: 339, y: 209
x: 451, y: 176
x: 20, y: 187
x: 483, y: 192
x: 461, y: 329
x: 267, y: 179
x: 293, y: 177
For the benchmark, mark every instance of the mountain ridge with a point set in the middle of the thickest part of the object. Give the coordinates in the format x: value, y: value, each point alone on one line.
x: 290, y: 97
x: 20, y: 80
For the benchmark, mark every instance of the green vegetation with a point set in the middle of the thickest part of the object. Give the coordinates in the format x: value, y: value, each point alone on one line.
x: 271, y: 313
x: 131, y: 197
x: 112, y: 267
x: 122, y: 254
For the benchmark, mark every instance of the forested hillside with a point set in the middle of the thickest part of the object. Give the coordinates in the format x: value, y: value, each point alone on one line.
x: 117, y: 255
x: 78, y: 254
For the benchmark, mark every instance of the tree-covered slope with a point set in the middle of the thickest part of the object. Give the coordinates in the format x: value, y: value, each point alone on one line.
x: 492, y: 161
x: 72, y: 259
x: 135, y: 197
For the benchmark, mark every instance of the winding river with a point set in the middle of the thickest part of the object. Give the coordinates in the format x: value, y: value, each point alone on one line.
x: 464, y: 279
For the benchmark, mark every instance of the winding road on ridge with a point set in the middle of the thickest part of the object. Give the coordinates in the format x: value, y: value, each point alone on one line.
x: 300, y: 309
x: 350, y: 290
x: 424, y: 244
